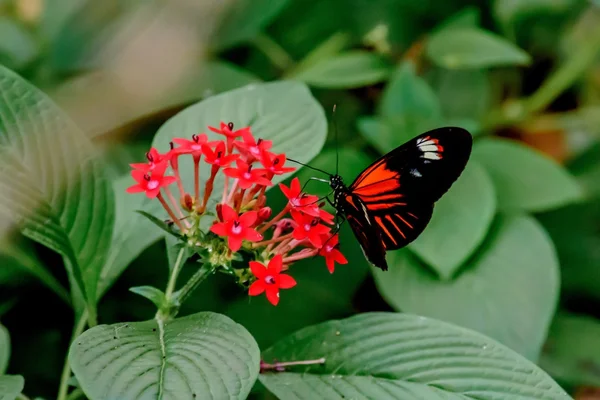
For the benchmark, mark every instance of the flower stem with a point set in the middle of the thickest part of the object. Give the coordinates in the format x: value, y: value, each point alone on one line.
x: 174, y: 274
x: 197, y: 178
x: 274, y: 219
x: 66, y: 372
x: 203, y: 272
x: 170, y: 212
x: 274, y: 240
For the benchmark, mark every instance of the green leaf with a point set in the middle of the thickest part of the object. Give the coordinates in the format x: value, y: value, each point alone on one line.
x: 462, y: 94
x: 508, y: 13
x: 508, y: 291
x: 407, y: 94
x: 165, y: 226
x: 4, y: 349
x: 468, y: 17
x: 284, y: 112
x: 574, y: 231
x: 151, y: 293
x: 244, y: 19
x: 525, y: 179
x: 572, y: 352
x: 17, y: 46
x: 461, y: 219
x: 11, y: 386
x: 202, y: 355
x: 132, y: 233
x: 402, y: 356
x: 51, y: 180
x: 473, y: 48
x: 351, y: 69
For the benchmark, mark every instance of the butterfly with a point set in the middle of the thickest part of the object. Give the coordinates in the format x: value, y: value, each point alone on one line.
x: 391, y: 202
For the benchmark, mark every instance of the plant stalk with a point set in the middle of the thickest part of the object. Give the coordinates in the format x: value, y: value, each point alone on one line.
x: 66, y: 372
x: 203, y: 272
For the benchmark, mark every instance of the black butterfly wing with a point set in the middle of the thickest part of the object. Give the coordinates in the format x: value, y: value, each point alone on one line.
x: 367, y: 234
x: 399, y: 189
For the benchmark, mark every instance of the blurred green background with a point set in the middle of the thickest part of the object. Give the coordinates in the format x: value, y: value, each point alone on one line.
x: 513, y: 250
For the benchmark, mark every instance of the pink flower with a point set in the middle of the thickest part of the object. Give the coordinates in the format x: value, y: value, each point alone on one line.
x: 151, y: 182
x: 308, y: 227
x: 331, y: 252
x: 274, y: 163
x: 251, y: 148
x: 236, y: 228
x: 269, y: 279
x: 218, y: 156
x: 247, y: 175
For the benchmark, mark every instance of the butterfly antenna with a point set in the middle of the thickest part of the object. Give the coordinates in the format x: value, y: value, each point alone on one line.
x: 337, y: 143
x: 308, y: 166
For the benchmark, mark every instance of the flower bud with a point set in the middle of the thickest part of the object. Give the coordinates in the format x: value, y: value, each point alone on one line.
x: 187, y: 202
x: 264, y: 214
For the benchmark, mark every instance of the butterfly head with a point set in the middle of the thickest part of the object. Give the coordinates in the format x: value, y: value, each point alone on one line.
x: 337, y: 183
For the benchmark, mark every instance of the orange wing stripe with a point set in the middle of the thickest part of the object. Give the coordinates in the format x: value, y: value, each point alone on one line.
x: 375, y: 174
x: 403, y: 220
x: 389, y: 218
x: 383, y: 206
x: 382, y: 226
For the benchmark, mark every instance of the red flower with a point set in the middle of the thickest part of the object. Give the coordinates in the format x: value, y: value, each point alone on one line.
x: 251, y: 148
x: 218, y: 156
x: 247, y: 176
x: 154, y: 158
x: 331, y: 252
x: 270, y: 279
x: 308, y: 227
x: 236, y: 228
x: 193, y: 147
x: 151, y: 182
x: 230, y: 134
x: 300, y: 201
x: 274, y: 163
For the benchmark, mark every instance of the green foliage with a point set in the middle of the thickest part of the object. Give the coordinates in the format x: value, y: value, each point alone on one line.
x: 11, y: 386
x: 4, y: 349
x: 430, y: 359
x: 153, y: 294
x: 345, y: 71
x: 184, y: 358
x: 57, y: 192
x: 459, y: 48
x: 529, y: 181
x: 572, y: 352
x: 459, y: 223
x: 18, y: 48
x: 508, y: 291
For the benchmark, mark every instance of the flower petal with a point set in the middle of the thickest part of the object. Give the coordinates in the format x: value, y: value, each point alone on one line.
x: 248, y: 218
x: 135, y: 189
x: 220, y: 228
x: 252, y: 235
x: 273, y: 295
x: 235, y: 243
x: 229, y: 213
x: 286, y: 281
x: 275, y: 264
x: 339, y: 257
x: 152, y: 193
x: 330, y: 264
x: 256, y: 288
x: 258, y: 269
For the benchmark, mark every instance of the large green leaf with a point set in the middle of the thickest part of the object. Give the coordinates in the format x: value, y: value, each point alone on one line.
x: 284, y: 112
x: 204, y: 355
x: 525, y: 179
x: 52, y: 182
x: 461, y: 219
x: 4, y: 349
x: 402, y: 356
x: 244, y: 19
x: 508, y: 291
x: 457, y: 48
x: 351, y: 69
x: 11, y: 386
x: 572, y: 352
x: 462, y: 94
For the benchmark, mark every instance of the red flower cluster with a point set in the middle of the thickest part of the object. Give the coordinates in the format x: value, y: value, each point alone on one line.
x: 243, y: 219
